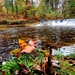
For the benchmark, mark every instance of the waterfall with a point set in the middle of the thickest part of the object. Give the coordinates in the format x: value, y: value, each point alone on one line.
x: 61, y: 22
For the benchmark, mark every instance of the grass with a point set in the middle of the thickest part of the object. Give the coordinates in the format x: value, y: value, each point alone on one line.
x: 34, y: 58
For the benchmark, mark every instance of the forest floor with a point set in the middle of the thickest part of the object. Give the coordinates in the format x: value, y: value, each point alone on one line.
x: 8, y: 21
x: 20, y: 20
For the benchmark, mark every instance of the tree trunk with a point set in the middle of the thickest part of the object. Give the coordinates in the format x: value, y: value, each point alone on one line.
x: 12, y: 6
x: 26, y: 9
x: 33, y: 12
x: 7, y: 6
x: 52, y: 4
x: 16, y: 9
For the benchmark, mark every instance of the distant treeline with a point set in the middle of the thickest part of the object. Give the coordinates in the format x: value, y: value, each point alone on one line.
x: 47, y: 9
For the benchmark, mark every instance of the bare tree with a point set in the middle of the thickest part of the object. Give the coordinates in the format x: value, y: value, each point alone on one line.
x: 12, y: 6
x: 16, y: 9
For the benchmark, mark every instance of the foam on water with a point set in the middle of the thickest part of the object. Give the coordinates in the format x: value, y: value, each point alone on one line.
x: 61, y: 22
x: 65, y: 50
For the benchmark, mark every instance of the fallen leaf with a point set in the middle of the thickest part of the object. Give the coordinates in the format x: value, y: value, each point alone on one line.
x: 32, y: 43
x: 24, y: 69
x: 14, y: 51
x: 28, y: 49
x: 22, y: 43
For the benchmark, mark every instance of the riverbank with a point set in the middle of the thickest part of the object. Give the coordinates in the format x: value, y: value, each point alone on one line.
x: 16, y: 22
x: 7, y: 26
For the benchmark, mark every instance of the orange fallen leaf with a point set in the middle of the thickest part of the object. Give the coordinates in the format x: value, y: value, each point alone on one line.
x: 28, y: 49
x: 32, y: 43
x: 22, y: 43
x: 18, y: 54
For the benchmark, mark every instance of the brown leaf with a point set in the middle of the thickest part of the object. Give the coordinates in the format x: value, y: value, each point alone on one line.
x: 28, y: 49
x: 73, y: 69
x: 16, y: 72
x: 24, y: 69
x: 73, y: 61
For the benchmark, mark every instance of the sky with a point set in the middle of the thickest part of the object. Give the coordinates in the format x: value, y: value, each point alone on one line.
x: 36, y: 2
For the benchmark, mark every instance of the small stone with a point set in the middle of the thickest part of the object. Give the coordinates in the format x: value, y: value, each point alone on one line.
x: 3, y: 63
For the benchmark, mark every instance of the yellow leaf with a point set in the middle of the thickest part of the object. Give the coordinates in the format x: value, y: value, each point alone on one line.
x: 20, y: 41
x: 37, y: 15
x: 14, y: 51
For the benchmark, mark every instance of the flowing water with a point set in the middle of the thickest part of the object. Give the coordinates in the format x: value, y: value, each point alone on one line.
x: 56, y: 33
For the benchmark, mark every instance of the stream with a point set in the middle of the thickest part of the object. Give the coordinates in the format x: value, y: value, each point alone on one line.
x: 61, y: 36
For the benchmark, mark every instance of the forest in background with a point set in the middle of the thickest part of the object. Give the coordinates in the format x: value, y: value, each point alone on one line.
x: 26, y: 10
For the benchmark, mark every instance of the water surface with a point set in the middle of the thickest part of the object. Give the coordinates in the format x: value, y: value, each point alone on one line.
x: 58, y: 36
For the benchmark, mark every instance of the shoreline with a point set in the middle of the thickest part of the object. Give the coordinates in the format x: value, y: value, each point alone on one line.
x: 17, y: 22
x: 6, y: 26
